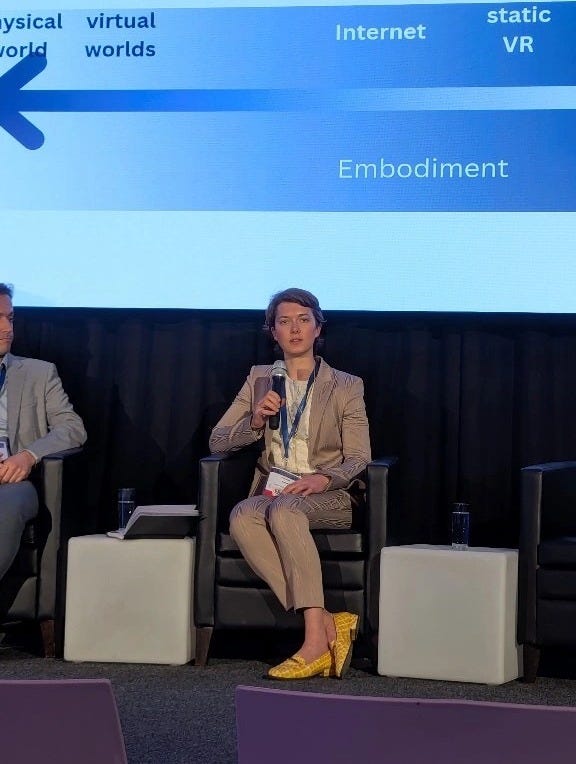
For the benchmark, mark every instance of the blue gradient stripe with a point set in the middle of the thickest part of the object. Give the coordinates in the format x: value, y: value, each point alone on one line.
x: 367, y: 99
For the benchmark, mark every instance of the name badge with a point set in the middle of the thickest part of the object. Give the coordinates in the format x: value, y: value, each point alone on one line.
x: 278, y: 480
x: 4, y: 447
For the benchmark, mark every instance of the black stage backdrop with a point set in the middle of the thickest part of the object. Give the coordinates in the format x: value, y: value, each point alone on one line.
x: 464, y: 400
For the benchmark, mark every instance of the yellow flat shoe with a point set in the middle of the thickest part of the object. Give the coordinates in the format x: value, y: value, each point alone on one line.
x: 297, y: 668
x: 346, y: 630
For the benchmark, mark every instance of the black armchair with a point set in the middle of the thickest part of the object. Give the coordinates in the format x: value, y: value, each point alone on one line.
x: 228, y: 595
x: 547, y: 561
x: 30, y: 590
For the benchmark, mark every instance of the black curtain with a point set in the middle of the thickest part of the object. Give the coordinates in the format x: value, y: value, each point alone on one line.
x: 464, y: 400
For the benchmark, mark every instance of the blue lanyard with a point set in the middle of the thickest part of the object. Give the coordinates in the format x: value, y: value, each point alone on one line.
x: 287, y: 436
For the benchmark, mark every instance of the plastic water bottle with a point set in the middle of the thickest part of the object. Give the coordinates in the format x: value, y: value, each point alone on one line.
x: 460, y: 526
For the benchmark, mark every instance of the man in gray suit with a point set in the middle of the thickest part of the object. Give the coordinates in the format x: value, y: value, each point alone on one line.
x: 36, y: 419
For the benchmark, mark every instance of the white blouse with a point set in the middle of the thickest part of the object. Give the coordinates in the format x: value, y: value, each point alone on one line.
x: 297, y: 460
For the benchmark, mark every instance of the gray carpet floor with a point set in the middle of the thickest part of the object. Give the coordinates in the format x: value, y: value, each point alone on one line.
x: 185, y: 715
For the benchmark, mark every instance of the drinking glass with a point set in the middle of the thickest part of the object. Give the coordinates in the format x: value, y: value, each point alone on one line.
x: 126, y: 505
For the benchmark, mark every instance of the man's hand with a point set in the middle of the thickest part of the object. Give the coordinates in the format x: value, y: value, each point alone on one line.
x: 308, y: 484
x: 16, y: 468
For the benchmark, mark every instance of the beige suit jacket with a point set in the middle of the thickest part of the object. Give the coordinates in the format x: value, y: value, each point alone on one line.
x: 40, y: 415
x: 338, y: 437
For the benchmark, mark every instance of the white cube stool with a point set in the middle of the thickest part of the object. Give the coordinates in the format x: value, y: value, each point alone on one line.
x: 447, y: 614
x: 129, y: 601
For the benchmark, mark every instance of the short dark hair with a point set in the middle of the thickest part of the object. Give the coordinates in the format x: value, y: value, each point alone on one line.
x: 7, y: 290
x: 298, y: 296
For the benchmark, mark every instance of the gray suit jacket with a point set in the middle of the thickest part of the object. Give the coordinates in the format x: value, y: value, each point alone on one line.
x: 40, y: 416
x: 338, y: 437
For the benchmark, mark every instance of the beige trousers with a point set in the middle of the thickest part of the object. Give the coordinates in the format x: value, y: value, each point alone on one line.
x: 273, y: 534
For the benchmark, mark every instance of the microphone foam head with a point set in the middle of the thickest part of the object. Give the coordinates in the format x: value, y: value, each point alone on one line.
x: 279, y: 369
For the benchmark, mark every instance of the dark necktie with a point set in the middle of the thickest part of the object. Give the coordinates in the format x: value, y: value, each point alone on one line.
x: 2, y: 376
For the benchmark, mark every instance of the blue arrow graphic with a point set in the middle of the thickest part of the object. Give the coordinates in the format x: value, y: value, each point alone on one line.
x: 10, y: 85
x: 14, y: 100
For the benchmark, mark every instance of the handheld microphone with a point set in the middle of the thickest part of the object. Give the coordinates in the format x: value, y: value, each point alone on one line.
x: 278, y: 375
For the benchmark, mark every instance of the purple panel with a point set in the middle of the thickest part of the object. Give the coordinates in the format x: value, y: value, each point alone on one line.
x: 286, y: 727
x: 65, y: 721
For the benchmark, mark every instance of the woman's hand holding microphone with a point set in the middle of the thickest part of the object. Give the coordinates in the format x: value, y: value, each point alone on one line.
x: 265, y: 408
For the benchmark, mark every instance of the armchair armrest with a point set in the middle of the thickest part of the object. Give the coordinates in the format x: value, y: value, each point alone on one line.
x: 548, y: 496
x: 225, y: 479
x: 379, y: 486
x: 380, y: 495
x: 60, y: 480
x: 52, y: 470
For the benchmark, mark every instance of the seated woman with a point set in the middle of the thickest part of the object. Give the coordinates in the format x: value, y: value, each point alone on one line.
x: 303, y: 478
